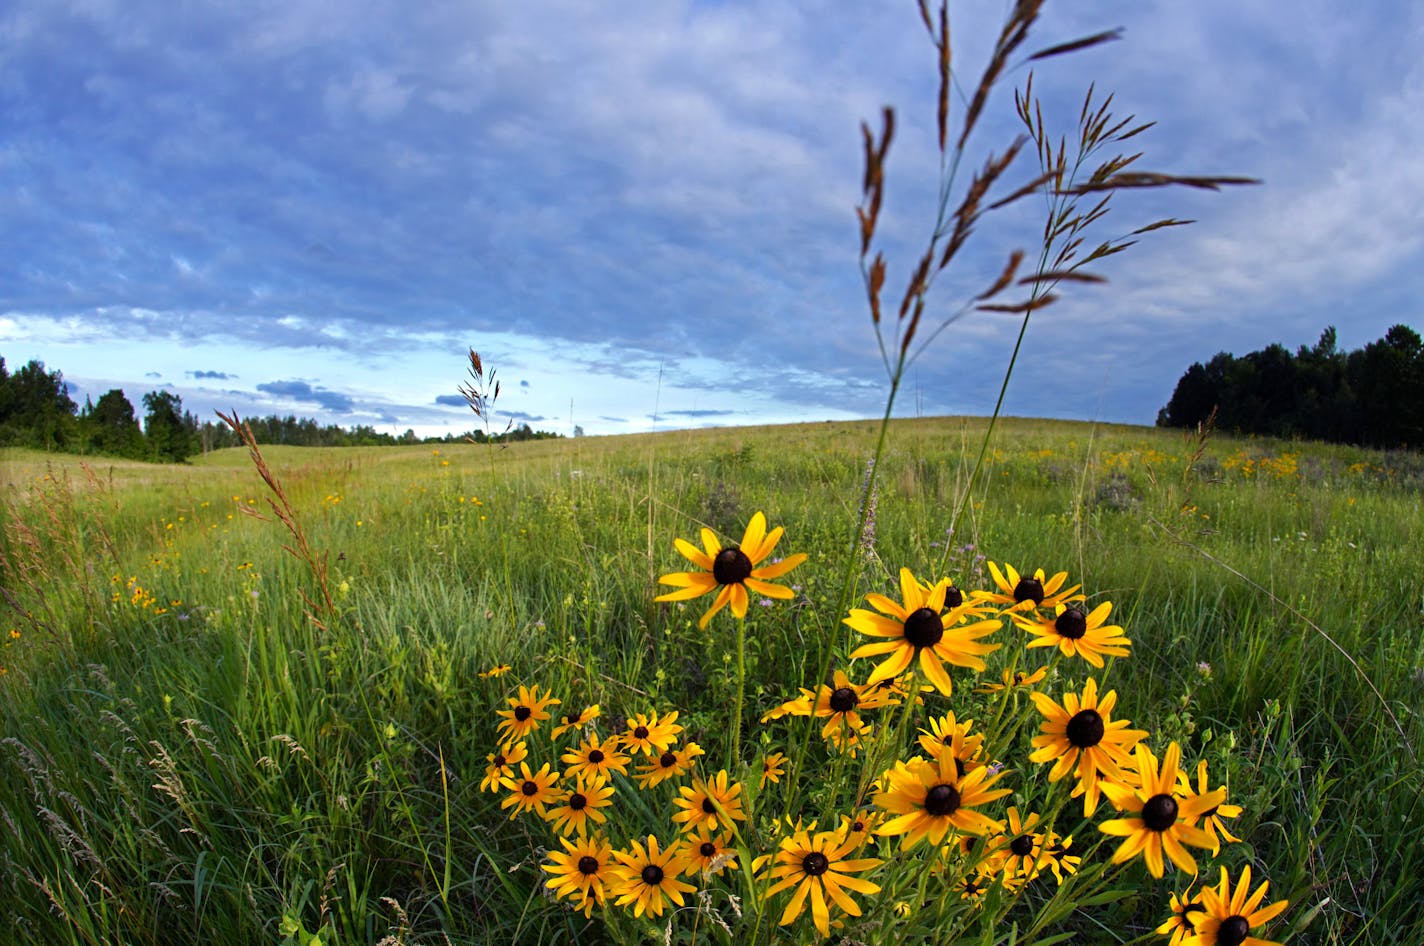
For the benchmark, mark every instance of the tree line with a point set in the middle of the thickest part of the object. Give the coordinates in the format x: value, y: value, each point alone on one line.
x: 1372, y: 396
x: 36, y: 411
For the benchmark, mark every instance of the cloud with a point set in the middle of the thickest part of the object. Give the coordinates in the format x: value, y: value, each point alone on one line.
x: 452, y: 400
x: 304, y: 392
x: 696, y: 413
x: 522, y: 417
x: 213, y: 375
x: 152, y: 374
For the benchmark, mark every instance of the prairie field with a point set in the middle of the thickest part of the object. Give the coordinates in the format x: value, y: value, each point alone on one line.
x: 222, y: 728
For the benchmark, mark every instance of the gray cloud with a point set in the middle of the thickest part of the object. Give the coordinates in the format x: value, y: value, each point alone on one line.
x: 303, y: 392
x: 214, y: 375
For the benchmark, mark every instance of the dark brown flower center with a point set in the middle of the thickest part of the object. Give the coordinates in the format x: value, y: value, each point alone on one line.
x: 815, y: 864
x: 588, y: 866
x: 708, y: 806
x: 640, y: 732
x: 1029, y: 589
x: 707, y: 849
x: 1159, y: 813
x: 652, y: 875
x: 667, y: 760
x: 572, y: 718
x: 1022, y: 845
x: 530, y: 788
x: 1072, y: 624
x: 578, y: 801
x: 923, y: 628
x: 843, y: 700
x: 942, y: 801
x: 522, y: 713
x: 499, y: 761
x: 1086, y: 729
x: 596, y: 756
x: 953, y: 597
x: 731, y: 566
x: 1232, y: 931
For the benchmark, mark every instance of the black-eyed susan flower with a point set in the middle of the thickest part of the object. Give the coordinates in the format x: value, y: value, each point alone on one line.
x: 731, y: 571
x: 706, y: 852
x: 1211, y: 821
x: 1075, y: 632
x: 1025, y: 593
x: 1162, y: 814
x: 575, y: 721
x: 840, y: 704
x: 709, y: 803
x: 501, y: 766
x: 1081, y: 735
x: 530, y: 791
x: 1228, y: 916
x: 1021, y: 852
x: 1186, y: 910
x: 773, y: 766
x: 595, y: 758
x: 1013, y: 680
x: 577, y: 807
x: 673, y: 763
x: 848, y: 741
x: 817, y: 866
x: 581, y: 871
x: 649, y: 734
x: 498, y: 670
x: 526, y: 711
x: 861, y: 826
x: 1055, y: 852
x: 972, y: 887
x: 797, y: 706
x: 646, y: 877
x: 918, y: 627
x: 947, y: 734
x: 929, y: 796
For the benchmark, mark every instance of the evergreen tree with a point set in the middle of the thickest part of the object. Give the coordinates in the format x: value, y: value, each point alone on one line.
x: 165, y: 437
x: 113, y: 426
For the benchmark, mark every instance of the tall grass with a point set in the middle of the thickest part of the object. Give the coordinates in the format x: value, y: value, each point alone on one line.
x: 225, y: 771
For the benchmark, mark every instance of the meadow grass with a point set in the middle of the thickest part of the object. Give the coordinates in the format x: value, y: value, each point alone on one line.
x: 189, y: 757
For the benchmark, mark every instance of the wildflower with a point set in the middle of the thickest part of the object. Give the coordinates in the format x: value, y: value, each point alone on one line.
x: 645, y: 876
x: 947, y: 734
x: 571, y: 721
x: 650, y: 735
x: 1013, y: 679
x: 1211, y: 819
x: 1025, y: 593
x: 1228, y: 918
x: 928, y: 797
x: 1185, y: 913
x: 799, y: 706
x: 1022, y: 855
x: 1164, y: 817
x: 816, y: 865
x: 707, y: 853
x: 733, y: 570
x: 673, y: 763
x: 861, y: 827
x: 526, y: 711
x: 773, y: 765
x: 1081, y: 733
x: 580, y: 806
x: 595, y: 759
x: 839, y: 705
x: 1056, y: 856
x: 917, y: 628
x: 708, y: 803
x: 530, y: 790
x: 501, y: 765
x: 1075, y: 633
x: 581, y: 871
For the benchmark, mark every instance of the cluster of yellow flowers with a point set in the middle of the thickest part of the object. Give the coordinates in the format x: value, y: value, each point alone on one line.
x: 938, y: 800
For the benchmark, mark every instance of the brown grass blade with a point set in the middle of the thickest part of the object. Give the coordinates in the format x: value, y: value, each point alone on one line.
x: 1061, y: 275
x: 1106, y: 36
x: 1006, y: 277
x: 1028, y: 305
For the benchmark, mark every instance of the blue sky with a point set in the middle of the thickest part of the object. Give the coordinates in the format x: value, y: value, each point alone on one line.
x: 642, y: 213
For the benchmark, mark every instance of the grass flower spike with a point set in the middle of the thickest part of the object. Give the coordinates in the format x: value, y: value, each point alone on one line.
x: 918, y: 627
x: 731, y: 571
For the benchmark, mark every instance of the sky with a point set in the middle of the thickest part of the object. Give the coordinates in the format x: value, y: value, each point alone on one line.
x: 642, y: 214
